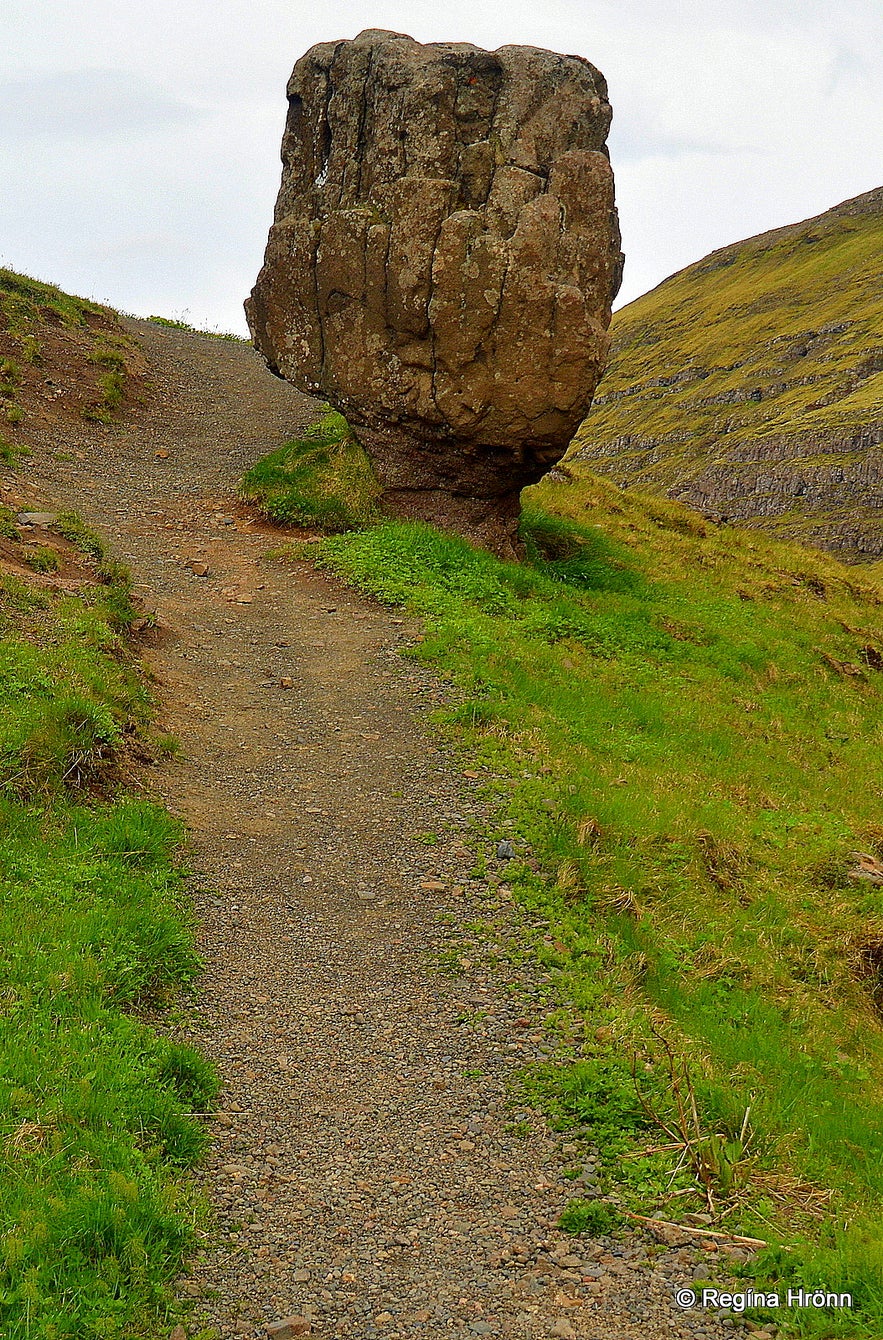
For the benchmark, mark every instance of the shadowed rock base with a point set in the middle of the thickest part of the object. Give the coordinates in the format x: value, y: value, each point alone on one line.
x: 491, y: 523
x: 453, y: 485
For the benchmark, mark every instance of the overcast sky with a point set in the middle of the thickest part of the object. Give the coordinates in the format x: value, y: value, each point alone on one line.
x: 139, y: 139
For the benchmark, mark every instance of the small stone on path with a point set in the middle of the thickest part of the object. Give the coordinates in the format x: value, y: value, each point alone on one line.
x: 37, y: 518
x: 288, y: 1327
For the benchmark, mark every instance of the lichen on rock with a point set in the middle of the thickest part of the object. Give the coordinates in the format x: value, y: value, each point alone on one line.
x: 442, y: 263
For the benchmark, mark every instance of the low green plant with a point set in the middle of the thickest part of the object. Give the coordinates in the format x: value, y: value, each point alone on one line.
x: 322, y: 479
x: 167, y: 746
x: 12, y: 452
x: 680, y: 723
x: 43, y: 559
x: 111, y: 384
x: 110, y: 356
x: 174, y: 324
x: 593, y: 1217
x: 96, y: 1109
x: 8, y: 529
x: 72, y: 527
x: 10, y: 376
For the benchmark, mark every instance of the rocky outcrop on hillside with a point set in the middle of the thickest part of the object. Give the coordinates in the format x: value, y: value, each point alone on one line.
x: 442, y: 263
x: 750, y: 385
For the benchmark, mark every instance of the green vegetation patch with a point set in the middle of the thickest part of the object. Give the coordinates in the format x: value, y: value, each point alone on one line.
x: 681, y: 726
x: 322, y: 479
x: 95, y: 1108
x: 110, y: 356
x: 35, y: 320
x: 24, y: 301
x: 12, y: 452
x: 767, y: 351
x: 68, y: 693
x: 173, y: 323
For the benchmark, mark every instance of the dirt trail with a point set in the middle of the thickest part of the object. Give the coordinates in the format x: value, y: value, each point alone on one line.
x: 365, y: 1172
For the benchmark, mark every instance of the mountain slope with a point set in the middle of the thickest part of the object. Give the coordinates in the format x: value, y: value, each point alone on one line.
x: 750, y: 385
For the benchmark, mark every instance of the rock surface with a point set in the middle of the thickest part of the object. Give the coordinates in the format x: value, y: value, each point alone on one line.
x: 442, y: 263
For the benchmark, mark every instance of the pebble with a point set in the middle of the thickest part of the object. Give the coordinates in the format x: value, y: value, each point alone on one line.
x: 287, y: 1328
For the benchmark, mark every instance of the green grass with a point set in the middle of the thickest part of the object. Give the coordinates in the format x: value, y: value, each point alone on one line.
x: 111, y: 356
x: 590, y: 1216
x: 95, y: 1126
x: 11, y: 453
x: 43, y: 559
x: 322, y: 479
x: 174, y: 324
x: 72, y: 527
x: 24, y: 301
x: 682, y: 724
x: 773, y: 345
x: 30, y: 311
x: 10, y: 376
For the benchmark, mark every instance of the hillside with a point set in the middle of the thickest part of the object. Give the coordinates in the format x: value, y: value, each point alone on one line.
x: 750, y: 385
x: 366, y: 1121
x: 640, y: 849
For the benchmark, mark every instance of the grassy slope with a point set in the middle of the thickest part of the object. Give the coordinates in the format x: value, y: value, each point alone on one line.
x: 94, y: 1124
x: 684, y: 725
x: 46, y: 331
x: 777, y: 336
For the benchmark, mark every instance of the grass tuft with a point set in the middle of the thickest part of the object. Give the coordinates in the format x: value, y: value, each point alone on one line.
x: 322, y: 479
x: 11, y: 453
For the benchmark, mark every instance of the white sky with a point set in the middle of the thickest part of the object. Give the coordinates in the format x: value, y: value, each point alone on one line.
x: 139, y: 139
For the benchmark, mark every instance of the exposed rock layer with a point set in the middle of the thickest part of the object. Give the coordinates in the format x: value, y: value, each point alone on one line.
x: 750, y: 385
x: 443, y: 259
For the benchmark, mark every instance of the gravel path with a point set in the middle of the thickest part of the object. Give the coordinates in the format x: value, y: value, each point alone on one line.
x: 368, y: 1175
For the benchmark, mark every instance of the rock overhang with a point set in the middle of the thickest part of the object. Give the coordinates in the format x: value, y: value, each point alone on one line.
x: 443, y: 258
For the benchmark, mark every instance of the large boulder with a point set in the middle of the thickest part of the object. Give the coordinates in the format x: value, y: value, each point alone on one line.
x: 442, y: 263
